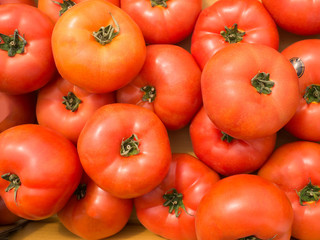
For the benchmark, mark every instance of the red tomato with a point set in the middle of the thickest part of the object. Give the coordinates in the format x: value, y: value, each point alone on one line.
x: 54, y: 9
x: 174, y: 202
x: 6, y: 216
x: 65, y: 107
x: 29, y: 2
x: 224, y: 154
x: 305, y: 57
x: 17, y: 109
x: 299, y: 17
x: 245, y: 207
x: 295, y: 168
x: 163, y: 21
x: 25, y: 49
x: 93, y: 213
x: 232, y: 21
x: 40, y: 170
x: 125, y: 149
x: 169, y: 75
x: 97, y: 46
x: 252, y: 97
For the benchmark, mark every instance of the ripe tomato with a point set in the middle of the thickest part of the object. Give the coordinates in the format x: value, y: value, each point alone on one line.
x: 40, y: 170
x: 305, y: 57
x: 295, y: 168
x: 224, y: 154
x: 29, y: 2
x: 163, y: 21
x: 252, y: 97
x: 6, y: 216
x: 232, y: 21
x: 299, y: 17
x: 125, y: 149
x: 25, y: 49
x: 54, y: 9
x: 245, y: 207
x: 174, y: 202
x: 17, y: 109
x: 92, y: 213
x: 97, y: 46
x: 65, y: 107
x: 169, y: 75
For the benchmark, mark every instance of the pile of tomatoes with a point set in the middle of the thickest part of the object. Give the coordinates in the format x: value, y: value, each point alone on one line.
x: 91, y: 89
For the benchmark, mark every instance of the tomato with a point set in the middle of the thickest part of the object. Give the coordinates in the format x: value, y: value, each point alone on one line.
x: 169, y: 75
x: 174, y: 202
x: 93, y: 213
x: 304, y: 55
x: 6, y: 217
x: 125, y: 149
x: 224, y: 154
x: 298, y: 17
x: 25, y: 49
x: 255, y: 95
x: 40, y: 170
x: 54, y: 9
x: 29, y: 2
x: 232, y: 21
x: 164, y: 21
x: 65, y: 107
x: 17, y: 109
x: 97, y: 46
x: 245, y: 207
x: 295, y: 168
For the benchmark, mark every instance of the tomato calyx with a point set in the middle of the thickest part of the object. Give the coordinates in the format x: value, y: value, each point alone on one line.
x: 65, y: 5
x: 252, y: 237
x: 149, y: 93
x: 310, y: 193
x: 71, y: 101
x: 81, y: 191
x: 130, y: 146
x: 14, y: 44
x: 262, y: 83
x: 162, y: 3
x: 312, y: 94
x: 226, y: 137
x: 174, y: 201
x: 232, y: 34
x: 15, y: 183
x: 106, y: 34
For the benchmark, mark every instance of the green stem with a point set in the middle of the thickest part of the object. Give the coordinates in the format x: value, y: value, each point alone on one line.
x: 149, y: 93
x: 71, y: 101
x: 65, y: 5
x: 252, y: 237
x: 162, y: 3
x: 106, y: 34
x: 13, y: 44
x: 174, y: 201
x: 312, y: 94
x: 226, y: 137
x: 130, y: 146
x: 15, y: 183
x: 310, y: 193
x: 262, y: 83
x: 232, y: 34
x: 81, y: 191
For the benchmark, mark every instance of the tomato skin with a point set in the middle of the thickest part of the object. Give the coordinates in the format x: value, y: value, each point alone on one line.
x: 188, y: 176
x: 164, y: 25
x: 299, y: 17
x: 99, y: 150
x: 97, y: 215
x: 17, y: 109
x: 251, y: 17
x: 6, y: 217
x: 174, y: 74
x: 291, y: 167
x: 97, y: 68
x: 257, y: 206
x: 303, y: 124
x: 58, y: 170
x: 52, y: 113
x: 240, y: 110
x: 29, y: 2
x: 27, y: 72
x: 227, y: 158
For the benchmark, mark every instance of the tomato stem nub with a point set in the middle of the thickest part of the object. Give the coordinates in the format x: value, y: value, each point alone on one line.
x: 149, y: 93
x: 106, y: 34
x: 130, y: 146
x: 262, y: 83
x: 310, y: 193
x: 71, y: 101
x: 65, y: 5
x: 226, y: 137
x: 232, y: 34
x: 14, y: 44
x: 174, y: 201
x: 250, y: 238
x: 14, y: 183
x: 162, y: 3
x: 81, y: 191
x: 312, y: 94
